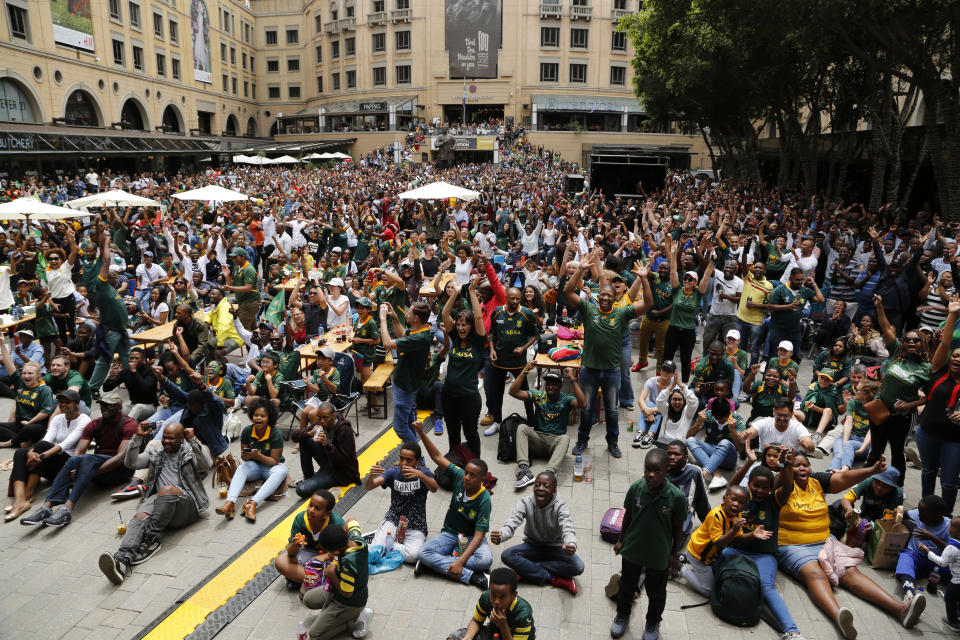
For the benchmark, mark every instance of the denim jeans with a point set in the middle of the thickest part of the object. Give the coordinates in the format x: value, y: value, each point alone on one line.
x: 737, y: 385
x: 86, y: 467
x: 711, y: 457
x: 940, y: 455
x: 751, y: 337
x: 608, y: 381
x: 626, y: 360
x: 437, y: 554
x: 404, y: 413
x: 537, y: 564
x: 767, y: 566
x: 117, y: 342
x: 249, y: 471
x: 162, y: 415
x: 844, y: 455
x: 652, y: 426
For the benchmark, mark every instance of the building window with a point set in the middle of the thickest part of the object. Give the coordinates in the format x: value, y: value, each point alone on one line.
x: 273, y: 93
x: 172, y: 28
x: 293, y: 91
x: 579, y: 3
x: 134, y: 10
x: 618, y: 75
x: 403, y: 4
x: 620, y: 5
x: 403, y: 40
x: 578, y: 73
x: 293, y: 64
x: 549, y: 71
x: 334, y: 49
x: 618, y: 41
x: 351, y: 79
x: 379, y: 42
x: 379, y: 76
x: 158, y: 25
x: 226, y: 83
x: 379, y: 6
x: 233, y: 56
x: 349, y: 10
x: 271, y: 36
x: 318, y: 23
x: 335, y: 81
x: 549, y: 36
x: 118, y: 52
x: 253, y: 90
x: 253, y: 65
x: 246, y: 89
x: 175, y: 68
x: 114, y: 9
x: 223, y: 52
x: 293, y: 37
x: 403, y: 74
x: 243, y: 60
x: 579, y: 38
x: 350, y: 47
x: 273, y: 66
x: 319, y: 84
x: 161, y: 65
x: 319, y: 51
x: 18, y: 22
x: 233, y: 85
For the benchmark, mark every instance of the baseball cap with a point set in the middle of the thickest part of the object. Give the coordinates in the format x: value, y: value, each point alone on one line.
x: 826, y: 373
x: 326, y: 352
x: 336, y: 250
x: 733, y: 333
x: 111, y: 398
x: 336, y: 282
x: 266, y: 325
x: 70, y: 395
x: 668, y: 366
x: 890, y: 477
x: 692, y: 274
x: 148, y: 253
x: 552, y: 376
x: 25, y: 332
x: 786, y: 344
x: 365, y: 302
x: 237, y: 251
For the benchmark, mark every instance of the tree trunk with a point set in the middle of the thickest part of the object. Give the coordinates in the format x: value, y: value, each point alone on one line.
x: 878, y: 157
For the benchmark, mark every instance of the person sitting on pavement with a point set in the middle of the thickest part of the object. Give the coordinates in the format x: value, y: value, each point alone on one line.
x: 783, y: 361
x: 717, y: 450
x: 261, y: 449
x: 48, y: 455
x: 930, y: 523
x: 62, y: 377
x: 175, y: 495
x: 32, y: 408
x: 343, y: 607
x: 643, y: 438
x: 140, y: 382
x: 329, y: 442
x: 171, y: 368
x: 766, y: 391
x: 509, y: 615
x: 688, y: 478
x: 678, y: 405
x: 548, y: 437
x: 853, y: 444
x: 112, y: 432
x: 821, y: 406
x: 303, y: 543
x: 193, y: 338
x: 548, y: 553
x: 265, y: 385
x: 879, y: 497
x: 322, y: 385
x: 467, y: 520
x: 409, y: 482
x: 783, y: 429
x: 711, y: 369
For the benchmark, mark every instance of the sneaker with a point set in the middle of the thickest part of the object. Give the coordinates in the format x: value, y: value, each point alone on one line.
x: 578, y: 448
x: 742, y: 398
x: 639, y: 366
x: 619, y: 626
x: 913, y: 456
x: 437, y: 431
x: 909, y: 590
x: 293, y: 586
x: 637, y: 440
x: 480, y: 580
x: 646, y: 441
x: 132, y: 490
x: 492, y: 429
x: 565, y: 583
x: 817, y: 437
x: 627, y: 407
x: 651, y: 632
x: 845, y: 622
x: 792, y: 635
x: 61, y: 518
x: 950, y: 625
x: 419, y: 569
x: 524, y: 478
x: 362, y: 623
x: 911, y: 615
x: 816, y: 453
x: 486, y: 421
x: 718, y: 482
x: 615, y: 451
x: 38, y: 517
x: 113, y: 567
x: 147, y: 549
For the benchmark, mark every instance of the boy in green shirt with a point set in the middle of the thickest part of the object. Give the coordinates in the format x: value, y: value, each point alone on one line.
x: 510, y: 615
x: 820, y: 406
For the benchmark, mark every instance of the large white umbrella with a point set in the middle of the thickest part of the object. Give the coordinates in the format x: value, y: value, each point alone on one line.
x: 316, y: 156
x: 210, y: 193
x: 284, y: 160
x: 115, y: 198
x: 32, y: 209
x: 240, y: 159
x: 439, y: 191
x: 342, y: 156
x: 258, y: 160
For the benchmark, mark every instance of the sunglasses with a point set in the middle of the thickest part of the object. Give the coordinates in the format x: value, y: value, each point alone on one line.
x: 689, y: 278
x: 908, y: 339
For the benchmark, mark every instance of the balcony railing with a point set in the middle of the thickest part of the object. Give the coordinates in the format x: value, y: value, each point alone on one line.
x: 581, y: 13
x: 330, y: 27
x: 401, y: 15
x: 619, y: 13
x: 550, y: 11
x: 347, y: 24
x: 376, y: 18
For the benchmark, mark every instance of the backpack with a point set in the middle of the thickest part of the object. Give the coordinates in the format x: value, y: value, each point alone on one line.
x: 507, y: 443
x: 612, y: 524
x: 736, y: 594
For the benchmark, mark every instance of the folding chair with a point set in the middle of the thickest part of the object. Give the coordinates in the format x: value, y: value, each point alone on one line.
x: 346, y: 397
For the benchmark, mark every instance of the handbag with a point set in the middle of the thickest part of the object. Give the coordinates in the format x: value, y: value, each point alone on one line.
x: 223, y: 469
x: 877, y: 410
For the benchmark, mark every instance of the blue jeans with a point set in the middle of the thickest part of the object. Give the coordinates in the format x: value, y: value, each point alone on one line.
x: 626, y: 356
x: 248, y: 471
x: 608, y: 381
x: 86, y: 467
x: 943, y: 455
x: 117, y: 342
x: 711, y: 457
x: 654, y: 425
x: 795, y: 336
x: 913, y: 564
x: 437, y: 554
x: 751, y: 336
x: 844, y: 455
x: 767, y: 566
x: 737, y: 385
x: 537, y: 564
x: 162, y: 415
x: 404, y: 413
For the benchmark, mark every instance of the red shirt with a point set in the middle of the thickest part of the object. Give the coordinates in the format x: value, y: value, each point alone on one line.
x: 499, y: 296
x: 109, y: 437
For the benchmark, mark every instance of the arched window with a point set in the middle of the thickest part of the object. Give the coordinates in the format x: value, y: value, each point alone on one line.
x: 16, y: 104
x: 252, y: 127
x: 82, y: 110
x: 171, y: 120
x: 132, y: 116
x: 232, y: 125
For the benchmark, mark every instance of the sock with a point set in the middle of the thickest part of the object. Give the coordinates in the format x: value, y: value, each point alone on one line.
x: 908, y: 587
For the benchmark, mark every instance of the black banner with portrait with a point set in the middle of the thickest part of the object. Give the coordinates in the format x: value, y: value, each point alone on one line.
x: 473, y: 37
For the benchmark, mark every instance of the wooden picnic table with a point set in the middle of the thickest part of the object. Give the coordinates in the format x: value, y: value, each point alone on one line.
x: 6, y: 327
x: 310, y: 350
x: 163, y: 332
x: 543, y: 360
x: 427, y: 290
x: 290, y: 285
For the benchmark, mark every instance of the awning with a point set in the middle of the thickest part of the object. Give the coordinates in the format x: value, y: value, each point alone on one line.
x: 304, y: 146
x: 361, y: 107
x: 586, y: 104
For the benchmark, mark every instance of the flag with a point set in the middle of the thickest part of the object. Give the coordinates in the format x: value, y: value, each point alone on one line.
x: 274, y: 313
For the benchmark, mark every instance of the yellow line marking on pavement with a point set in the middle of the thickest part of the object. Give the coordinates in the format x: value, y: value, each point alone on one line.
x: 223, y: 586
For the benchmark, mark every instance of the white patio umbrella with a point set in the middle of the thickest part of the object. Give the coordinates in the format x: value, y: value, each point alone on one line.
x: 315, y: 156
x: 285, y: 160
x: 115, y: 198
x: 239, y: 159
x: 439, y: 191
x: 342, y: 156
x: 258, y: 160
x: 32, y: 209
x: 211, y: 193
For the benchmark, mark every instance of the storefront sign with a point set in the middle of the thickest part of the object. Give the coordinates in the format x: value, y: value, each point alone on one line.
x: 373, y: 106
x: 18, y: 142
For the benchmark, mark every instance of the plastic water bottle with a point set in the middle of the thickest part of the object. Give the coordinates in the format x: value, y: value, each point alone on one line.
x: 388, y: 543
x: 461, y: 545
x: 578, y: 469
x: 301, y: 631
x: 587, y: 468
x: 563, y: 318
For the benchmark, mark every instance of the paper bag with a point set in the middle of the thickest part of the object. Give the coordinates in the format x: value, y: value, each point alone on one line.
x: 886, y: 540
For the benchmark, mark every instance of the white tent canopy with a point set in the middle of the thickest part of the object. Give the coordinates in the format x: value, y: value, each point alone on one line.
x: 284, y: 160
x: 115, y: 198
x: 342, y: 156
x: 439, y: 191
x: 317, y: 156
x: 23, y: 208
x: 210, y: 193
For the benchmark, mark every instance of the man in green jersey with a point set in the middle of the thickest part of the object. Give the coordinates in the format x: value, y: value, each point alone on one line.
x: 113, y: 314
x: 242, y: 280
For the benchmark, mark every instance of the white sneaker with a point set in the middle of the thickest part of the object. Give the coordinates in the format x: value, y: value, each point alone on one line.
x: 492, y: 429
x: 718, y: 482
x: 362, y: 623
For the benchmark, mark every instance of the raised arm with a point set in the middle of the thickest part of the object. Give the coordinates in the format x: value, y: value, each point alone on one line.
x: 432, y: 451
x: 942, y: 354
x: 888, y: 330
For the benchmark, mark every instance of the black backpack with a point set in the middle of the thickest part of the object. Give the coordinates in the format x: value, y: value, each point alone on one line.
x: 736, y: 594
x: 507, y: 444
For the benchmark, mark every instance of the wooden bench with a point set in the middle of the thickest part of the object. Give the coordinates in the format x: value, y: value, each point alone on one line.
x: 378, y: 380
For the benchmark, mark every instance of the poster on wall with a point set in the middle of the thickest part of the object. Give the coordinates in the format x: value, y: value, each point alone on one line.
x: 200, y: 29
x: 473, y: 37
x: 72, y: 23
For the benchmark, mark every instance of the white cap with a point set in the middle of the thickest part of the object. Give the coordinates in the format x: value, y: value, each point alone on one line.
x: 786, y: 344
x: 733, y: 333
x: 336, y: 282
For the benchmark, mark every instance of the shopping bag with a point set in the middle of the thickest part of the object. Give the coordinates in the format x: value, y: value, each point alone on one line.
x: 887, y: 538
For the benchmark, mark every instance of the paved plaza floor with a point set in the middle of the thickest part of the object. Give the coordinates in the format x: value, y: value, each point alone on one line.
x: 52, y: 587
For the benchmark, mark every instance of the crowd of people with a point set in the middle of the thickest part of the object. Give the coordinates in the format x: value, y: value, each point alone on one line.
x: 714, y: 291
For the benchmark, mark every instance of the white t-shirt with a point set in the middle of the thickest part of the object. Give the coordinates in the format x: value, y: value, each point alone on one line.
x: 161, y: 309
x: 59, y: 281
x: 151, y: 275
x: 64, y: 434
x: 730, y: 287
x: 767, y: 432
x: 269, y: 226
x: 6, y: 296
x: 333, y: 318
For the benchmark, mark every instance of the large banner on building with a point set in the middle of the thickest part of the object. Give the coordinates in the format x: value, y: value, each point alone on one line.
x: 473, y: 37
x: 200, y: 29
x: 72, y: 23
